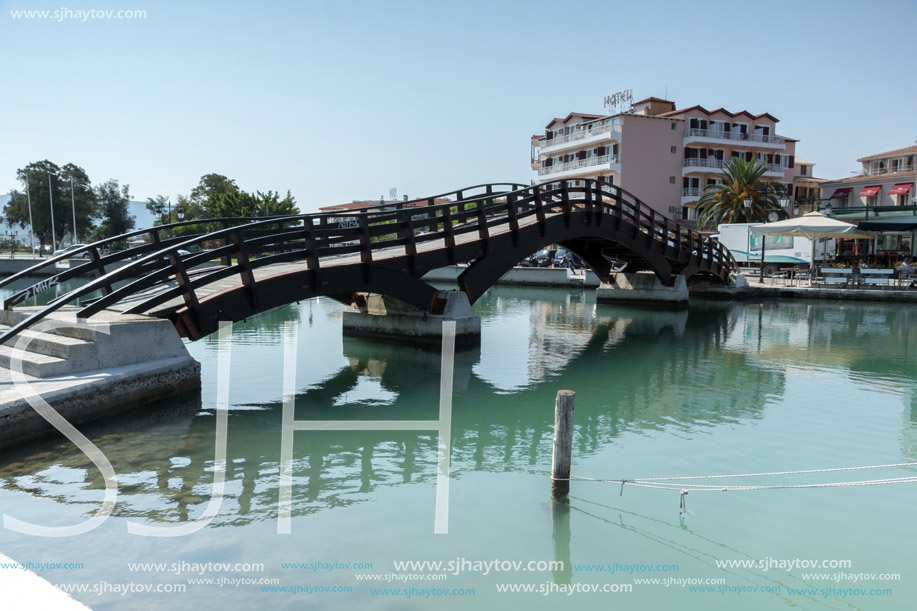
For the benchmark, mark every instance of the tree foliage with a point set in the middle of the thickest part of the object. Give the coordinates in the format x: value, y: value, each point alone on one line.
x: 242, y: 204
x: 210, y: 187
x: 723, y: 203
x: 37, y: 188
x: 113, y: 210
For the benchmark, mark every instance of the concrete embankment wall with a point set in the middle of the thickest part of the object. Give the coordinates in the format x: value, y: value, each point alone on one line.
x: 524, y: 276
x: 9, y: 266
x: 89, y: 370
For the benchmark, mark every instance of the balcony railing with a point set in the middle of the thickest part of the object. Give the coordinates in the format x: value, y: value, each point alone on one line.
x: 579, y: 134
x: 690, y: 192
x: 888, y: 170
x: 701, y: 162
x: 578, y: 163
x: 724, y: 135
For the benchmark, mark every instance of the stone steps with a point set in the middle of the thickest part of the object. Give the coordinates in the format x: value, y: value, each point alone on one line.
x: 50, y: 354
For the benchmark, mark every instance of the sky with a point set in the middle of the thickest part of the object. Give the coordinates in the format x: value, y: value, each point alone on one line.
x: 339, y: 101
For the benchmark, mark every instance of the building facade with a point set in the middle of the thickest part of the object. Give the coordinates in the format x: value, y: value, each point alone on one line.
x: 807, y: 189
x: 662, y: 155
x: 885, y: 179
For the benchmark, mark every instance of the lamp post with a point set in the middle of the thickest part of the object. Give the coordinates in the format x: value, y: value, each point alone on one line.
x: 180, y: 213
x: 51, y: 197
x: 784, y: 201
x: 73, y: 204
x: 28, y: 195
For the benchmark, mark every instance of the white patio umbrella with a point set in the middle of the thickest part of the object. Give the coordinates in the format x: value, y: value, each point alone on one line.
x: 814, y: 226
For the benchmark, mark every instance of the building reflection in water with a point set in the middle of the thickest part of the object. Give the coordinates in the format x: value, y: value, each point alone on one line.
x: 632, y: 369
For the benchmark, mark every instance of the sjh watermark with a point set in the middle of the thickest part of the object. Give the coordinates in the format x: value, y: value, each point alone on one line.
x: 82, y: 15
x: 442, y: 425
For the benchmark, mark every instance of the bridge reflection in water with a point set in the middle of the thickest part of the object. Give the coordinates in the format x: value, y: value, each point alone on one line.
x: 633, y: 370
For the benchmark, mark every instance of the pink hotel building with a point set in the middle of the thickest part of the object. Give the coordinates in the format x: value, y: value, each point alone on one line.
x: 663, y: 156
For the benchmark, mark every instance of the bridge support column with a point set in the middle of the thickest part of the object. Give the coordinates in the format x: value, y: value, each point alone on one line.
x: 388, y: 318
x: 644, y: 288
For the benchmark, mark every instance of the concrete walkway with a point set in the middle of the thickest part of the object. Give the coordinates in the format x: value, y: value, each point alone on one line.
x: 770, y: 288
x: 22, y: 590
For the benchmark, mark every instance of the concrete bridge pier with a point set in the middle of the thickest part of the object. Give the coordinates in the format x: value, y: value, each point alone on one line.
x: 378, y: 316
x: 643, y: 288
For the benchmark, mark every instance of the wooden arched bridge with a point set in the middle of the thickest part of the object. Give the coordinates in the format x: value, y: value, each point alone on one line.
x: 233, y: 268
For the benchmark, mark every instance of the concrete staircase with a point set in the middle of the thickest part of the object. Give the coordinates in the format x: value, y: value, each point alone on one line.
x: 85, y: 346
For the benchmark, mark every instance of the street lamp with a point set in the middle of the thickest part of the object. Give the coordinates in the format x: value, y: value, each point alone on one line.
x: 180, y: 213
x: 51, y: 197
x: 73, y: 205
x: 28, y: 195
x: 746, y: 201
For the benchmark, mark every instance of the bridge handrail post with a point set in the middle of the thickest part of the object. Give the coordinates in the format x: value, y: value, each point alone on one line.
x: 565, y: 204
x: 407, y: 231
x: 366, y: 253
x: 448, y: 232
x: 246, y: 274
x: 539, y: 208
x: 225, y: 260
x: 512, y: 215
x: 311, y: 244
x: 100, y: 268
x: 483, y: 229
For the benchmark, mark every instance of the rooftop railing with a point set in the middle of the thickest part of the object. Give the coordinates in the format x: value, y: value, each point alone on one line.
x: 737, y: 136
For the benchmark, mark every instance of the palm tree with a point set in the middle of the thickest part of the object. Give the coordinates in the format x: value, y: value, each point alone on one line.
x: 723, y: 203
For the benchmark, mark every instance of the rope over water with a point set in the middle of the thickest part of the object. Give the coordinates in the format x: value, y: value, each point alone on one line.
x: 678, y: 483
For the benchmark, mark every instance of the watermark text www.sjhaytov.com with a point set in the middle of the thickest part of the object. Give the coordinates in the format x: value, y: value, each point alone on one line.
x: 82, y: 15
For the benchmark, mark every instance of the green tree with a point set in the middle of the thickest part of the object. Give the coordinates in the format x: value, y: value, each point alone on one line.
x: 113, y: 211
x: 157, y: 206
x: 270, y: 204
x: 35, y: 180
x: 210, y: 187
x: 243, y: 204
x: 723, y: 203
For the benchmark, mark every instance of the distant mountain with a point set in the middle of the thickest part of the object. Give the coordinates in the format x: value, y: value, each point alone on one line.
x: 142, y: 217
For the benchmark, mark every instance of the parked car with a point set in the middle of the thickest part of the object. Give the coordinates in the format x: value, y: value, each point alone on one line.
x: 542, y: 258
x: 71, y: 248
x: 565, y: 258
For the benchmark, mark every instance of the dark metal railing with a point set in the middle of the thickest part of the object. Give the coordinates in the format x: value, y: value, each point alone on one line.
x: 243, y: 245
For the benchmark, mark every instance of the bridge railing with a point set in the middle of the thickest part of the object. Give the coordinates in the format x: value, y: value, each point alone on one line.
x: 323, y: 240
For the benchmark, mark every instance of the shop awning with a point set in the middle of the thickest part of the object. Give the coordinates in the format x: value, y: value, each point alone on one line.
x: 901, y: 189
x: 898, y: 223
x: 869, y: 191
x: 839, y: 193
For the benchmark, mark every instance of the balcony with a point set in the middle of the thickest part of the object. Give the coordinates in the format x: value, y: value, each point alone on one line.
x: 889, y: 170
x: 581, y: 137
x: 715, y: 166
x: 583, y: 166
x: 734, y: 138
x: 690, y: 194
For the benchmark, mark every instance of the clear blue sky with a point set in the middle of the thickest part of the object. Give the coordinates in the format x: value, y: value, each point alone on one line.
x: 343, y: 100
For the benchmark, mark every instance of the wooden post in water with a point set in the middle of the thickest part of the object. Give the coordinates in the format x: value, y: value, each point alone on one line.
x: 563, y: 443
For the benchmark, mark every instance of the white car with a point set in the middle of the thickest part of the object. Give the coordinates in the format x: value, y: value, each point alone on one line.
x: 70, y: 248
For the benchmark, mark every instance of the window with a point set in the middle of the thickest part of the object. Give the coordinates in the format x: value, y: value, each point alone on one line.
x: 674, y: 126
x: 671, y: 180
x: 674, y: 149
x: 802, y: 170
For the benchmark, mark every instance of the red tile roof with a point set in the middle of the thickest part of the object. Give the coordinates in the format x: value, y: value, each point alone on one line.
x: 905, y: 151
x: 722, y: 110
x: 875, y: 177
x: 586, y: 116
x: 651, y: 99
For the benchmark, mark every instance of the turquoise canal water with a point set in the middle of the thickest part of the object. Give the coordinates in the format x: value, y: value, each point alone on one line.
x: 722, y: 388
